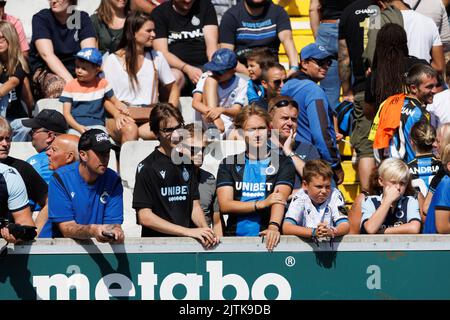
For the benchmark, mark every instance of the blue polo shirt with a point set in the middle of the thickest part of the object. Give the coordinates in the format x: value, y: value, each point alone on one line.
x: 440, y: 201
x: 71, y: 198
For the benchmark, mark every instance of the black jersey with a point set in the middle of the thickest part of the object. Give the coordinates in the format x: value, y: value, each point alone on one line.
x: 422, y: 169
x: 169, y: 190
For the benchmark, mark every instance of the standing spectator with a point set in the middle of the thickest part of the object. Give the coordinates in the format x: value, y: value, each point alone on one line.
x: 353, y: 27
x: 272, y: 79
x: 18, y: 26
x: 438, y: 216
x: 396, y: 116
x: 316, y: 210
x: 187, y: 35
x: 12, y: 82
x: 315, y: 119
x: 58, y: 34
x: 439, y: 109
x: 86, y: 197
x: 166, y: 197
x: 14, y: 201
x: 253, y: 187
x: 392, y: 212
x: 83, y: 97
x: 257, y: 23
x: 324, y: 18
x: 220, y: 93
x: 108, y: 22
x: 257, y: 59
x: 44, y: 128
x: 435, y: 10
x: 135, y: 72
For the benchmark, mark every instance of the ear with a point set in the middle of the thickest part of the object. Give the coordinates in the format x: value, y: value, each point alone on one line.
x: 448, y: 167
x: 380, y: 181
x: 70, y: 157
x: 83, y: 155
x: 264, y: 83
x: 413, y: 89
x: 304, y: 184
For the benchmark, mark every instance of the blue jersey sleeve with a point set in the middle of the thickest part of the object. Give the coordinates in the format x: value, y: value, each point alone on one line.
x: 321, y: 126
x: 114, y: 207
x: 442, y: 195
x: 252, y: 92
x: 60, y: 208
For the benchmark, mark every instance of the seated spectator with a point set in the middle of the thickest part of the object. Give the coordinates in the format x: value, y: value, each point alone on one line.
x: 44, y: 128
x: 316, y: 210
x: 220, y: 93
x: 193, y: 148
x: 392, y: 212
x: 257, y: 23
x: 86, y: 197
x: 438, y: 216
x: 355, y: 213
x: 424, y: 166
x: 24, y: 47
x: 54, y: 43
x: 398, y: 113
x: 12, y: 82
x: 257, y: 59
x: 187, y: 34
x: 134, y: 72
x: 84, y: 96
x: 14, y: 206
x: 272, y: 79
x: 252, y: 187
x: 166, y: 196
x: 284, y: 111
x: 315, y: 123
x: 108, y: 22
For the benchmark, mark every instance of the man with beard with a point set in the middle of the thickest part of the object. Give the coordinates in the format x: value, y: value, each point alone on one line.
x: 315, y: 119
x: 257, y: 23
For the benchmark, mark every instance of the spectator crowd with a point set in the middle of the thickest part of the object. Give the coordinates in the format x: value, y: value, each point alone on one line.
x: 119, y: 75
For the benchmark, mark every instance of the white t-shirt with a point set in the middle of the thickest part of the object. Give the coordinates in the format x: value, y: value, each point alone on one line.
x: 117, y: 76
x: 235, y: 92
x: 440, y: 108
x: 304, y: 213
x: 422, y: 34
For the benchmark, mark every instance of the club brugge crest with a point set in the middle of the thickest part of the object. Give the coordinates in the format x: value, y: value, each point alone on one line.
x: 185, y: 174
x: 270, y: 170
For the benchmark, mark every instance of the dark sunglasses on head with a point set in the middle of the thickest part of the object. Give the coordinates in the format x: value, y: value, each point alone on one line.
x: 171, y: 130
x: 322, y: 62
x: 285, y: 103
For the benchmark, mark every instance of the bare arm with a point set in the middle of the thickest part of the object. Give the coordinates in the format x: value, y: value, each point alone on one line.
x: 198, y: 216
x: 411, y: 227
x: 426, y: 203
x: 442, y: 221
x: 211, y: 35
x: 295, y: 230
x: 345, y: 71
x: 71, y: 229
x: 355, y: 214
x: 286, y: 39
x: 240, y: 67
x: 22, y: 217
x: 42, y: 218
x: 45, y: 49
x: 142, y: 5
x: 374, y: 223
x: 438, y: 59
x: 233, y: 111
x: 67, y: 107
x: 314, y: 16
x: 9, y: 85
x: 174, y: 93
x: 88, y: 43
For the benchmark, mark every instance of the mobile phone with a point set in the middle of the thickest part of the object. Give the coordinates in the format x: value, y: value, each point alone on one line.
x: 109, y: 235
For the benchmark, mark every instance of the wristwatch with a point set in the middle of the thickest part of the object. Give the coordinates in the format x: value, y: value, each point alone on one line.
x: 292, y: 154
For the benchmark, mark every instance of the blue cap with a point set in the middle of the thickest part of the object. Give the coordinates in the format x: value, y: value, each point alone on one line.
x: 222, y: 60
x: 91, y: 55
x: 315, y: 51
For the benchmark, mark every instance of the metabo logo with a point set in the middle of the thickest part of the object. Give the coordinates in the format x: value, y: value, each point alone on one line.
x: 148, y: 282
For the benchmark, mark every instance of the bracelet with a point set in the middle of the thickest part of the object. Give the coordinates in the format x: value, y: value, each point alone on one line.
x: 292, y: 154
x: 295, y: 68
x: 184, y: 65
x: 254, y: 204
x: 274, y: 223
x: 313, y: 234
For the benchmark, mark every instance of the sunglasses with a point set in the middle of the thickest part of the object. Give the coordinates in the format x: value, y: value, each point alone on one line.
x: 171, y: 130
x: 278, y: 82
x: 322, y: 62
x: 285, y: 103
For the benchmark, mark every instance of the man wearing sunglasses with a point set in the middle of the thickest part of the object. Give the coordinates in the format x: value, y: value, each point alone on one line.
x: 272, y: 79
x: 315, y: 120
x: 166, y: 196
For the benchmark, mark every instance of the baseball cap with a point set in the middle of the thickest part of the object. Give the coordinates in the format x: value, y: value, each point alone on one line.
x: 315, y: 51
x: 222, y: 60
x: 49, y: 119
x: 91, y: 55
x: 96, y: 140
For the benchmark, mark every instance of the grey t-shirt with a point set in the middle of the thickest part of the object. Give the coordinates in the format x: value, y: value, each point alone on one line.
x: 207, y: 190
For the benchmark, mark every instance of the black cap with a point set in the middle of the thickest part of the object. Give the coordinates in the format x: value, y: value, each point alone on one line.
x: 96, y: 140
x: 48, y: 119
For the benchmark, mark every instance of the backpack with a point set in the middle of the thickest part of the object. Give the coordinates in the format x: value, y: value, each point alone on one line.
x: 346, y: 117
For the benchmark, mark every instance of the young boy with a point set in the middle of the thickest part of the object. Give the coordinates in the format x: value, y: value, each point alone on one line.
x: 392, y: 212
x: 438, y: 217
x: 220, y: 94
x: 257, y: 59
x: 316, y: 211
x: 84, y: 96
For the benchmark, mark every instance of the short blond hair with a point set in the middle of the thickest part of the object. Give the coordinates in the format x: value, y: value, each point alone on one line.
x: 394, y: 169
x: 445, y: 156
